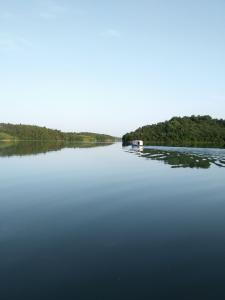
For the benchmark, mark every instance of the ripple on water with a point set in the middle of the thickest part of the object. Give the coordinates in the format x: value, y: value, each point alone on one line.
x: 179, y: 157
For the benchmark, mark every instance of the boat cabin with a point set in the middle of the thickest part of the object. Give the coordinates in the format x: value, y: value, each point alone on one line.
x: 137, y: 143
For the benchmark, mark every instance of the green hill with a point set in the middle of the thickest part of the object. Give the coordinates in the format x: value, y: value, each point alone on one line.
x: 4, y: 136
x: 182, y: 131
x: 36, y: 133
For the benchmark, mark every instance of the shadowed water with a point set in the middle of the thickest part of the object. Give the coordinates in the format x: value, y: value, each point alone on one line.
x: 181, y: 157
x: 32, y: 148
x: 104, y: 222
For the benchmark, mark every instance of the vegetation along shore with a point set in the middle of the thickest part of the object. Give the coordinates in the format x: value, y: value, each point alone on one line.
x: 9, y: 132
x: 200, y: 131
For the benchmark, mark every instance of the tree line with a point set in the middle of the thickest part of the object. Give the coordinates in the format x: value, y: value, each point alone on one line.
x: 37, y: 133
x: 182, y: 131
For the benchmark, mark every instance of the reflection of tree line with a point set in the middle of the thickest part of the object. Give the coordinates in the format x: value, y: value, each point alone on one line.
x: 178, y: 159
x: 31, y: 148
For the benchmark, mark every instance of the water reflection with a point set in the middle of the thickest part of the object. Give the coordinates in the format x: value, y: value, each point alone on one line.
x: 178, y: 157
x: 32, y: 148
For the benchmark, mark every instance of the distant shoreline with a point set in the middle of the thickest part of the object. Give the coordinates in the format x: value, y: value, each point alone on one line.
x: 20, y: 132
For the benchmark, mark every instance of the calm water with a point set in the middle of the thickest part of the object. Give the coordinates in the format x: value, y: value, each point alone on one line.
x: 108, y: 222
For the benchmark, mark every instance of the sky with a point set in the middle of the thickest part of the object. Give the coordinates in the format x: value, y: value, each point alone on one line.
x: 110, y: 66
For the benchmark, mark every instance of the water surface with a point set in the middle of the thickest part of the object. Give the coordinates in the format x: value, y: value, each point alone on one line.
x: 108, y: 222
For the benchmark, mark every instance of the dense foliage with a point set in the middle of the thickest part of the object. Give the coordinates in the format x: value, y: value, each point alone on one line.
x: 182, y: 131
x: 36, y: 133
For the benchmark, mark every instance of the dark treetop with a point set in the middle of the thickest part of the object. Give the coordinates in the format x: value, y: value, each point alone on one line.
x: 185, y: 131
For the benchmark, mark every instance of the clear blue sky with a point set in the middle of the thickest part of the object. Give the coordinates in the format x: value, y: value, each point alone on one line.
x: 110, y: 66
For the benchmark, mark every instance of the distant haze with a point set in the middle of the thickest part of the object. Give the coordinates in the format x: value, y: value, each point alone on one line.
x: 110, y: 66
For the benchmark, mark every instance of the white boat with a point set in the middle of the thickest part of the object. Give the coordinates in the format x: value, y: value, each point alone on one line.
x: 137, y: 143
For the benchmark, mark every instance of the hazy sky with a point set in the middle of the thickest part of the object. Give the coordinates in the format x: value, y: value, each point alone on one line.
x: 110, y: 66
